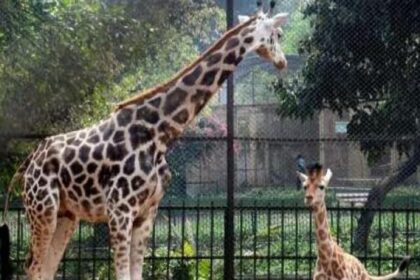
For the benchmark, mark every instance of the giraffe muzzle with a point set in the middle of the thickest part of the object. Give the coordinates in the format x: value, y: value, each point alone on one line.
x: 281, y: 64
x: 308, y: 200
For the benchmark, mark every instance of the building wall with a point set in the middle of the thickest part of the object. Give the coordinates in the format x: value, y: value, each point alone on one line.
x: 267, y: 148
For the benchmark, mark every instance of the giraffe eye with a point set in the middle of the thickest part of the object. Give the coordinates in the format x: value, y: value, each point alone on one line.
x: 321, y: 187
x: 305, y: 187
x: 279, y: 36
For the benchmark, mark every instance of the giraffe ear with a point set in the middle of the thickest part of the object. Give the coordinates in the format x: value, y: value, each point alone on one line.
x: 302, y: 177
x: 328, y: 176
x: 280, y: 19
x: 242, y: 19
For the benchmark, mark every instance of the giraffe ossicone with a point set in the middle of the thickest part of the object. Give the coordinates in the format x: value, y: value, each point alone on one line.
x: 332, y: 262
x: 116, y: 171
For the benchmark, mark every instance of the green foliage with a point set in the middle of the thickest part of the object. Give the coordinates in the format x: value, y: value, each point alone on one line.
x: 187, y: 270
x: 63, y: 68
x: 64, y: 63
x: 19, y: 18
x: 361, y: 57
x: 61, y: 64
x: 7, y: 168
x: 297, y: 29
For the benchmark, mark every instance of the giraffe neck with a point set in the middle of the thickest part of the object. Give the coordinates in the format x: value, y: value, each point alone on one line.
x: 191, y: 93
x: 172, y: 107
x: 324, y: 240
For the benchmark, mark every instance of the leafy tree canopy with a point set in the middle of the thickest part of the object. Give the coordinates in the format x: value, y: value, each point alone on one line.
x: 61, y: 64
x: 362, y: 58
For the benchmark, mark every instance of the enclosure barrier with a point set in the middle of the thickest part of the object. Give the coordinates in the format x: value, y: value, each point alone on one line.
x: 272, y: 242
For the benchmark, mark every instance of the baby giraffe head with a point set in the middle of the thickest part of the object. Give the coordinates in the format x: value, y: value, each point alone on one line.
x: 315, y: 183
x: 265, y: 34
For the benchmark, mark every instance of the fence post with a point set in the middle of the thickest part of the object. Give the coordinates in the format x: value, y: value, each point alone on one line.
x: 229, y: 246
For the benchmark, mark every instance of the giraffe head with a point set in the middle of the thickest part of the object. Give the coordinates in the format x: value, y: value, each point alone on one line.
x: 315, y: 183
x: 266, y: 34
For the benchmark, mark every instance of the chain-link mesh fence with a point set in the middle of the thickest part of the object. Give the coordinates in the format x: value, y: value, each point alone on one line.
x: 348, y: 99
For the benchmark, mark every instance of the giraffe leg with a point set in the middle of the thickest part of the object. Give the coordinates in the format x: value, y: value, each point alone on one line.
x: 120, y: 227
x: 62, y: 235
x: 42, y: 231
x: 142, y: 228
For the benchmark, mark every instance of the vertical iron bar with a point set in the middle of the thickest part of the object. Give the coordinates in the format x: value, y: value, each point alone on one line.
x: 366, y: 250
x: 183, y: 234
x: 407, y: 231
x: 18, y: 240
x: 94, y: 253
x: 197, y: 240
x: 22, y: 236
x: 168, y: 253
x: 282, y: 241
x: 153, y: 257
x: 338, y: 223
x: 269, y: 243
x: 393, y: 235
x: 79, y: 254
x: 296, y: 241
x: 331, y: 217
x: 245, y: 152
x: 254, y: 231
x: 310, y: 243
x: 380, y: 242
x: 351, y: 227
x: 212, y: 239
x: 109, y: 262
x: 229, y: 214
x: 414, y: 228
x: 241, y: 241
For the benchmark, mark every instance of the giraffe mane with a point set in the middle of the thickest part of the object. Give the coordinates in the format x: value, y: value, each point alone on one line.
x: 148, y: 93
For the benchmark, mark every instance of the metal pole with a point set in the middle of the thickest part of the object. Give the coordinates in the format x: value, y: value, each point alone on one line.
x: 229, y: 247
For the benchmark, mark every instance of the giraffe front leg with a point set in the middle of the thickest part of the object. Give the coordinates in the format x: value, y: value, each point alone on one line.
x: 142, y: 227
x: 120, y: 227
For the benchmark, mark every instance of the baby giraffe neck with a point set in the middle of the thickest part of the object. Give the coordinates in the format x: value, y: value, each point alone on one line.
x: 323, y: 237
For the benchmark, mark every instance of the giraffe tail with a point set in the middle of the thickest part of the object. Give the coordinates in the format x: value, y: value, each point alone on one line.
x: 16, y: 179
x: 6, y: 268
x: 403, y: 266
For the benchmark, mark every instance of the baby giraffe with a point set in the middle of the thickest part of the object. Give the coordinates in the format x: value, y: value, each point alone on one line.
x: 332, y: 263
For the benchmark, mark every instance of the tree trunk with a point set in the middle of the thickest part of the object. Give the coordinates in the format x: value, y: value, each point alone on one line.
x: 377, y: 196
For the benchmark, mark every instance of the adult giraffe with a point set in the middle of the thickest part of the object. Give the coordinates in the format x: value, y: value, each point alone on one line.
x: 116, y: 171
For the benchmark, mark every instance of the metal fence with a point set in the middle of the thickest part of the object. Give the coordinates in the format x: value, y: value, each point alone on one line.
x: 234, y: 209
x: 271, y: 242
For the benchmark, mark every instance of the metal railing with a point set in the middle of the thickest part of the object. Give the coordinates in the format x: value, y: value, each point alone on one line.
x: 271, y: 242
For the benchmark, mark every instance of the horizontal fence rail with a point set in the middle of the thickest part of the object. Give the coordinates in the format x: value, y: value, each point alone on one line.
x: 271, y: 242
